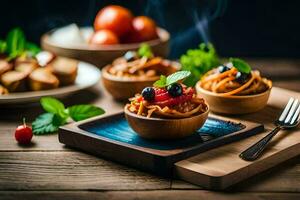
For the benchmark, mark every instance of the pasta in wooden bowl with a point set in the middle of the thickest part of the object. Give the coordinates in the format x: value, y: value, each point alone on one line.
x: 168, y: 112
x: 129, y: 74
x: 234, y: 88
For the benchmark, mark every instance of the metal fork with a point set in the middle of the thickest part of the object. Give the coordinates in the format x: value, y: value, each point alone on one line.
x: 289, y: 118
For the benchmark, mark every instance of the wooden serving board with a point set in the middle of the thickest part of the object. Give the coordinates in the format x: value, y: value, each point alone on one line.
x: 222, y: 167
x: 111, y: 137
x: 217, y: 168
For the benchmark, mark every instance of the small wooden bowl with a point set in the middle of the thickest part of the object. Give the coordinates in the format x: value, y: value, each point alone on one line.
x: 165, y: 129
x: 105, y: 54
x: 124, y: 88
x: 234, y: 104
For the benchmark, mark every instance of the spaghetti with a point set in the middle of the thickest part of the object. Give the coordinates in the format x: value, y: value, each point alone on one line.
x: 226, y: 83
x: 185, y: 106
x: 141, y: 67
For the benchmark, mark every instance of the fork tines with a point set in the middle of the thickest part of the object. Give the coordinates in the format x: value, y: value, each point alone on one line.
x: 290, y: 114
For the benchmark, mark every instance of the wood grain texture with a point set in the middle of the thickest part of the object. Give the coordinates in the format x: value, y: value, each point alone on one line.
x: 284, y: 178
x: 145, y: 195
x: 42, y: 143
x: 221, y: 167
x: 70, y: 171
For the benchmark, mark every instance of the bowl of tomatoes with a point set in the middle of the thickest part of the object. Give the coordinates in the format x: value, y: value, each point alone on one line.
x: 115, y: 31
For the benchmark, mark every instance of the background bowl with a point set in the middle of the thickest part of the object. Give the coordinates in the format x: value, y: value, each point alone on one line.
x: 122, y: 89
x: 166, y: 129
x: 103, y: 55
x: 234, y: 104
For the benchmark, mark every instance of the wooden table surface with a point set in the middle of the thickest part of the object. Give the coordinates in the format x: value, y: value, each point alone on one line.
x: 49, y: 170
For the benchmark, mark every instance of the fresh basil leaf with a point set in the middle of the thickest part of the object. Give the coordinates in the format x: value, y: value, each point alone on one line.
x: 240, y: 65
x: 161, y: 82
x: 2, y: 46
x: 84, y: 111
x: 173, y: 78
x: 46, y: 123
x: 54, y: 106
x: 145, y: 51
x: 198, y: 62
x: 177, y: 76
x: 15, y: 43
x: 32, y: 48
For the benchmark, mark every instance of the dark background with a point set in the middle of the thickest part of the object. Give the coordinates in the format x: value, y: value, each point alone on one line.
x: 254, y: 28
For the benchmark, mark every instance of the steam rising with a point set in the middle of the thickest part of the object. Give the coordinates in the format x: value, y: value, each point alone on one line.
x: 201, y: 26
x: 198, y: 14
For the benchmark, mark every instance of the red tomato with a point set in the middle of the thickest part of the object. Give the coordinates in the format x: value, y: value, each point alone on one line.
x: 163, y: 98
x: 103, y: 37
x: 23, y: 134
x: 115, y: 18
x: 144, y: 28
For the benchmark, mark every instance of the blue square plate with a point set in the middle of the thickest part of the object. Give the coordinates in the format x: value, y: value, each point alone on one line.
x: 111, y: 137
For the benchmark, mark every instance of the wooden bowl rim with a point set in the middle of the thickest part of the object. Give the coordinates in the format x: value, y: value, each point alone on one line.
x: 127, y: 112
x: 163, y: 34
x: 111, y: 77
x: 202, y: 90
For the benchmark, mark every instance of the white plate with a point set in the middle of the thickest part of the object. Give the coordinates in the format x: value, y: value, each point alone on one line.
x: 88, y: 75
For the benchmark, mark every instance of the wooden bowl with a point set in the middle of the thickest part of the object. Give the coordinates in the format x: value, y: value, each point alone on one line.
x: 165, y: 129
x: 103, y: 55
x: 234, y: 104
x: 124, y: 88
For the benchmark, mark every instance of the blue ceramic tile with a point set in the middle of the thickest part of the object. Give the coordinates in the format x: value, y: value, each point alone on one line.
x: 118, y: 129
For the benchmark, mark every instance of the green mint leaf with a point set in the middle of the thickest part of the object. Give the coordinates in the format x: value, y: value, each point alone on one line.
x: 177, y: 76
x: 54, y: 106
x: 47, y: 123
x: 173, y: 78
x: 2, y: 46
x: 145, y: 51
x: 15, y: 43
x: 240, y: 65
x: 198, y: 62
x: 84, y: 111
x: 161, y: 82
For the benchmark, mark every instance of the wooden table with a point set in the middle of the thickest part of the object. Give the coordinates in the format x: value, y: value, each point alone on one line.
x: 48, y: 170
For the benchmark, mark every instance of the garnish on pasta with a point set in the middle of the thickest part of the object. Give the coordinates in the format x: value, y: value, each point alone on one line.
x: 173, y: 100
x: 235, y: 78
x: 141, y: 64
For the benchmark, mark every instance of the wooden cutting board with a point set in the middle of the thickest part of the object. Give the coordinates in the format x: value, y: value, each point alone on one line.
x: 222, y: 167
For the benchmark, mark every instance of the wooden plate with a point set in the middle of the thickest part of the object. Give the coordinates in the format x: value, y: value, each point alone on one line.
x: 105, y: 54
x: 88, y: 75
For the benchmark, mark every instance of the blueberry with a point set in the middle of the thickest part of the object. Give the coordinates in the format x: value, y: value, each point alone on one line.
x: 148, y: 93
x: 130, y: 55
x: 175, y: 89
x: 241, y: 77
x: 223, y: 68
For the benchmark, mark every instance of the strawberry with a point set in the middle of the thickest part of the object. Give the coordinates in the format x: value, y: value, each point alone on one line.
x: 162, y: 97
